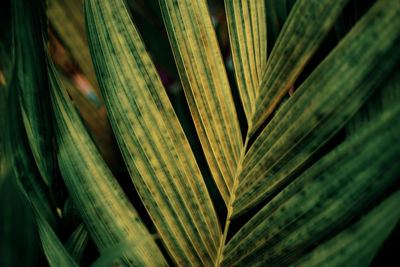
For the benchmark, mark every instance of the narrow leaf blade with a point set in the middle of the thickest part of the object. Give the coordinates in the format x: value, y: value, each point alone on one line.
x: 105, y: 210
x: 303, y: 32
x: 325, y: 198
x: 359, y: 243
x: 321, y: 105
x: 55, y: 252
x: 248, y: 38
x: 32, y: 82
x: 155, y: 149
x: 206, y: 87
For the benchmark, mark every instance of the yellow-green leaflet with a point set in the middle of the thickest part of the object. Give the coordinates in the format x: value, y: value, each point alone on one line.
x: 107, y: 213
x: 359, y: 243
x: 248, y: 38
x: 154, y: 146
x: 303, y: 32
x: 321, y: 105
x: 206, y: 87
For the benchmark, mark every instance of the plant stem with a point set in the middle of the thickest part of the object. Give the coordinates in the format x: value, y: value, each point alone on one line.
x: 231, y: 200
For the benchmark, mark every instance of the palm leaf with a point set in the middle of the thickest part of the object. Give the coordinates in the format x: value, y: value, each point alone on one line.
x: 18, y: 155
x: 76, y: 243
x: 54, y: 250
x: 303, y: 31
x: 388, y: 95
x: 324, y: 198
x: 356, y: 245
x: 104, y: 208
x: 34, y: 100
x: 295, y: 191
x: 248, y: 38
x: 27, y: 176
x: 344, y: 80
x: 206, y: 87
x: 155, y: 149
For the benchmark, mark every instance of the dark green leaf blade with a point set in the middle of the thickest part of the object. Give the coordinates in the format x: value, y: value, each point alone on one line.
x: 29, y: 26
x: 387, y: 95
x: 321, y: 105
x: 325, y: 198
x: 359, y: 243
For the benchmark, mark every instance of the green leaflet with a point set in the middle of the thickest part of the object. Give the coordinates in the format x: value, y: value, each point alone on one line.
x: 76, y: 243
x: 387, y: 95
x: 323, y: 199
x: 357, y: 245
x: 54, y: 250
x: 105, y: 210
x: 206, y: 87
x: 27, y: 175
x: 321, y: 105
x: 21, y: 162
x: 156, y: 151
x: 248, y: 38
x: 32, y: 84
x: 107, y: 258
x: 303, y: 31
x: 18, y: 233
x: 30, y: 131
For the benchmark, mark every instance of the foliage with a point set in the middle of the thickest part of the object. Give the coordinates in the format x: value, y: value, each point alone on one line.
x: 289, y: 155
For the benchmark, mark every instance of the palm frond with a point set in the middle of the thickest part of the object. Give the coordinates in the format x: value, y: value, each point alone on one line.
x: 56, y: 253
x: 330, y: 193
x: 358, y: 244
x: 304, y: 30
x: 103, y: 206
x: 321, y: 106
x: 206, y: 87
x: 296, y: 178
x: 32, y: 86
x: 248, y: 39
x: 77, y: 242
x: 155, y: 149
